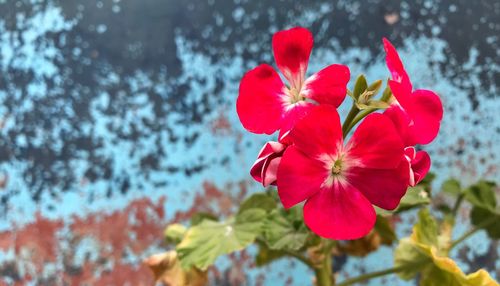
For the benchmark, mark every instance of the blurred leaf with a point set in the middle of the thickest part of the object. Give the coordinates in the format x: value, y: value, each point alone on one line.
x: 445, y: 271
x: 259, y: 200
x: 285, y: 229
x: 482, y: 195
x: 382, y: 233
x: 425, y: 251
x: 267, y: 255
x: 480, y: 215
x: 426, y: 229
x: 444, y: 208
x: 362, y: 246
x: 168, y: 271
x: 444, y: 237
x: 197, y: 218
x: 452, y: 187
x: 360, y: 86
x: 174, y: 233
x: 426, y: 183
x: 385, y: 230
x: 414, y: 197
x: 208, y: 240
x: 407, y: 255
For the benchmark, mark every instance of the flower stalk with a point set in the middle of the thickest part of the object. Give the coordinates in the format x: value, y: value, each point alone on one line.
x: 324, y: 271
x: 358, y: 118
x: 324, y: 275
x: 376, y: 274
x: 472, y: 231
x: 348, y: 120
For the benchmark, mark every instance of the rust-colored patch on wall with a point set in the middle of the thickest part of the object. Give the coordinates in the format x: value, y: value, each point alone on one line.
x: 214, y: 200
x: 45, y: 251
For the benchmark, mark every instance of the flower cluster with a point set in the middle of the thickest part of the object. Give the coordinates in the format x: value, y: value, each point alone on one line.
x: 339, y: 177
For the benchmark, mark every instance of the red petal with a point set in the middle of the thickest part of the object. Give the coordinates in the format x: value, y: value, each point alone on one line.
x: 421, y: 165
x: 270, y: 151
x: 299, y: 177
x: 426, y: 111
x: 401, y: 121
x: 394, y: 64
x: 376, y: 143
x: 291, y: 50
x: 383, y: 188
x: 401, y: 91
x: 328, y: 86
x: 319, y: 132
x: 270, y: 172
x: 339, y: 213
x: 295, y: 113
x: 260, y: 104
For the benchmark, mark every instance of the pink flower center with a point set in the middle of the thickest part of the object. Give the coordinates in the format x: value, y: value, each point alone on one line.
x: 295, y: 95
x: 338, y: 167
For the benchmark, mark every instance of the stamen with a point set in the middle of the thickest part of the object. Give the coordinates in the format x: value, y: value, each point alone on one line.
x: 295, y: 95
x: 337, y: 167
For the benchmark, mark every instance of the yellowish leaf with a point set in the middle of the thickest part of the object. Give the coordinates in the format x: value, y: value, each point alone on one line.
x: 167, y: 270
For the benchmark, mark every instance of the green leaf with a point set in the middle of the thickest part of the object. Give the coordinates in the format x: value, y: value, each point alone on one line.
x: 208, y: 240
x: 265, y: 255
x: 482, y: 195
x: 285, y: 229
x: 408, y: 254
x: 385, y: 230
x: 197, y: 218
x: 426, y: 183
x: 445, y: 271
x: 360, y: 86
x: 452, y: 187
x: 480, y: 215
x: 415, y: 197
x: 260, y: 201
x: 444, y: 208
x: 426, y: 229
x: 174, y: 233
x: 167, y: 270
x: 420, y: 254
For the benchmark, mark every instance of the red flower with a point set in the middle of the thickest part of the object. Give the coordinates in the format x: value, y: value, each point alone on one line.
x: 418, y: 163
x: 423, y: 107
x: 265, y: 169
x: 416, y: 114
x: 265, y: 104
x: 341, y: 182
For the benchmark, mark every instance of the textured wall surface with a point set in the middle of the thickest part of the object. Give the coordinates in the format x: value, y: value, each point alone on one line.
x: 118, y: 117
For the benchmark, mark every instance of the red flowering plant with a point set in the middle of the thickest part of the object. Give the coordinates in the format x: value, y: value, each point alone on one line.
x: 340, y: 185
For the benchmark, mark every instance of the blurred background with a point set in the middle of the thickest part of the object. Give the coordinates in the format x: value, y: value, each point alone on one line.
x: 118, y: 117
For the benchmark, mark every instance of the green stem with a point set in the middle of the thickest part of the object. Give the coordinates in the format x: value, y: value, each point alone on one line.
x: 358, y: 118
x: 380, y: 273
x: 480, y: 226
x: 458, y: 202
x: 300, y: 257
x: 350, y: 117
x: 324, y: 272
x: 324, y: 275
